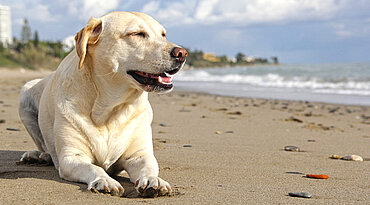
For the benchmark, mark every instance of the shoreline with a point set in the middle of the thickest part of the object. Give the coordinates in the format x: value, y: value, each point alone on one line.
x: 212, y: 149
x: 322, y: 83
x: 182, y: 91
x: 187, y: 67
x: 279, y: 94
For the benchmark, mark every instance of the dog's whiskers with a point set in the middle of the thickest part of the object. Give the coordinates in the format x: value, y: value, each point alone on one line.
x: 114, y: 74
x: 106, y: 74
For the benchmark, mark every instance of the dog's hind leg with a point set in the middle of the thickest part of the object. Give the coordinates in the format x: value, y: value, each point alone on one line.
x: 28, y: 113
x: 36, y: 157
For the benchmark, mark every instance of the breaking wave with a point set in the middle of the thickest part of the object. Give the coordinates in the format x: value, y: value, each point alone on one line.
x: 318, y: 80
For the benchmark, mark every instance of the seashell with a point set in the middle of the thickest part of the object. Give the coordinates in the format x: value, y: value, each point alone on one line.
x: 291, y: 148
x: 353, y: 158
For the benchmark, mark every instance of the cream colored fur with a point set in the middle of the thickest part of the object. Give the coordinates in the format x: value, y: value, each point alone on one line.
x: 90, y: 116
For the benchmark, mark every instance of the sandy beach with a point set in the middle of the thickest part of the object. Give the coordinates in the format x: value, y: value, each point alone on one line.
x: 212, y: 150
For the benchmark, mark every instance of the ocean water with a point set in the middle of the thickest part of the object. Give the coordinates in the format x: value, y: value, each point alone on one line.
x: 345, y: 83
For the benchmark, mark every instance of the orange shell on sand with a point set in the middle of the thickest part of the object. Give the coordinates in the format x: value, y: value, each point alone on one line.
x: 317, y: 176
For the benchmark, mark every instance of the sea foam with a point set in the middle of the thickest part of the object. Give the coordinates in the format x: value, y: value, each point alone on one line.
x: 317, y: 80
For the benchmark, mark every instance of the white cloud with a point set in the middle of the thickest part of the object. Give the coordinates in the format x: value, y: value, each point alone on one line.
x: 84, y: 9
x: 173, y: 13
x: 242, y: 12
x: 341, y: 31
x: 205, y: 9
x: 349, y: 29
x: 41, y: 13
x: 68, y: 43
x: 32, y: 11
x: 152, y: 6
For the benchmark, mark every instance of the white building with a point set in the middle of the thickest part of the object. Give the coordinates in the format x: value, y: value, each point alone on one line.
x: 5, y: 25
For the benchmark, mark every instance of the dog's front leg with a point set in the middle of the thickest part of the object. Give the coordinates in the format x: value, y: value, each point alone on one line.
x: 77, y: 158
x: 80, y: 169
x: 143, y: 171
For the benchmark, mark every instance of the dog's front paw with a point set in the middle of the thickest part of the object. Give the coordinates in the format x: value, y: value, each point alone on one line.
x: 152, y: 187
x: 106, y: 185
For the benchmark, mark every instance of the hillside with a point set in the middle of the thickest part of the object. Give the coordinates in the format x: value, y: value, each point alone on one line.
x: 32, y: 55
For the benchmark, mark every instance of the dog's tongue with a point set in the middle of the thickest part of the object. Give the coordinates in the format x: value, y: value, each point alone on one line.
x: 165, y: 80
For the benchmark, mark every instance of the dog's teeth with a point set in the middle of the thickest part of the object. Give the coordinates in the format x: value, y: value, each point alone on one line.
x: 160, y: 79
x: 168, y: 75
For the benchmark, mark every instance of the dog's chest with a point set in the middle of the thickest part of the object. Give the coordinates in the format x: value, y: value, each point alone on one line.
x: 110, y: 147
x: 118, y: 137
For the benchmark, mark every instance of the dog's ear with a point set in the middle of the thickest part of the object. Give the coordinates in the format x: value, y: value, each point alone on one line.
x: 88, y: 35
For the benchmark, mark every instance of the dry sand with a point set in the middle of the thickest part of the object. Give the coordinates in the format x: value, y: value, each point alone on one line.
x: 234, y: 154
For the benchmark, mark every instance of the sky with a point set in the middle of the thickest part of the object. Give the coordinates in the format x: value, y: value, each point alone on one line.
x: 297, y: 31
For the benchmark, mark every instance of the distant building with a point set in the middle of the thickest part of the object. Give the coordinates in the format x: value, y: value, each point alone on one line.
x: 249, y: 59
x: 233, y: 60
x: 5, y: 26
x: 211, y: 57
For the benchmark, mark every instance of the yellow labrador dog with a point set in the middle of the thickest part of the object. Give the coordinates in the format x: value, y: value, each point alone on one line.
x: 91, y: 118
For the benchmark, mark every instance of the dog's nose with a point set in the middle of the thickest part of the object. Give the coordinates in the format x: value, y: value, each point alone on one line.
x: 179, y: 53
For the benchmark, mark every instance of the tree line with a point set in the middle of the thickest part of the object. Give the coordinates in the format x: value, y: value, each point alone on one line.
x: 200, y: 59
x: 29, y: 52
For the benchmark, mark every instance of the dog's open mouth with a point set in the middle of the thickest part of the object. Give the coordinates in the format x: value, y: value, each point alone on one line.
x: 154, y: 82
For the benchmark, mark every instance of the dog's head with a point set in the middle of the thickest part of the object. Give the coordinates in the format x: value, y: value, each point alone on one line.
x: 131, y: 46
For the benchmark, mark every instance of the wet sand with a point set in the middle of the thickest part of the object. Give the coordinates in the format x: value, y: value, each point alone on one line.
x: 212, y: 150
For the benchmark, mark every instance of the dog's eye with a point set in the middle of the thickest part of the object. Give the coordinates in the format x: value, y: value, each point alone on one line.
x: 140, y: 34
x: 164, y: 35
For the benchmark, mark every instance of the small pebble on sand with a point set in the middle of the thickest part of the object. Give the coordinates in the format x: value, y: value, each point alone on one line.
x: 187, y: 145
x: 311, y: 140
x: 162, y: 125
x: 2, y: 121
x: 294, y: 119
x: 235, y: 113
x: 291, y: 148
x: 184, y: 110
x: 336, y: 156
x: 13, y: 129
x: 353, y: 158
x: 333, y: 110
x: 218, y: 132
x: 300, y: 194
